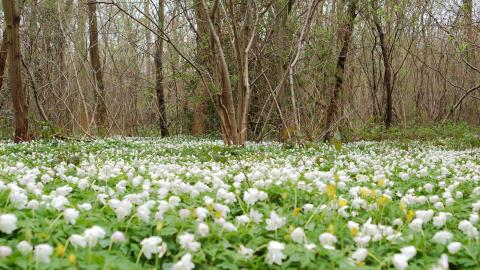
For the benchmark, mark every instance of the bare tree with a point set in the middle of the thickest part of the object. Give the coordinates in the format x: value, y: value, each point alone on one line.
x: 159, y: 71
x: 19, y: 98
x: 345, y: 36
x: 99, y: 86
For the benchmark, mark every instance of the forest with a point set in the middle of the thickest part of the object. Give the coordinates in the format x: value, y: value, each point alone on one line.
x: 239, y: 70
x: 240, y: 134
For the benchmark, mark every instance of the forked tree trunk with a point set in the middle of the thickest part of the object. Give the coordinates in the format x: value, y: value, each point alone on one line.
x: 346, y: 32
x: 387, y: 66
x: 19, y: 97
x: 159, y: 72
x: 101, y: 107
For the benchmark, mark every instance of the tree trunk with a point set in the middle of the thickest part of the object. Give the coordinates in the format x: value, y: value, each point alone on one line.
x: 345, y: 36
x: 387, y: 65
x: 159, y: 72
x: 200, y: 105
x: 19, y: 97
x: 101, y: 107
x: 3, y: 57
x: 226, y: 106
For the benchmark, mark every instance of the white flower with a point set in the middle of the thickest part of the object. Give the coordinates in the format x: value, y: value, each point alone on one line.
x: 328, y: 240
x: 400, y: 261
x: 77, y: 240
x: 298, y: 235
x: 245, y: 252
x: 275, y: 221
x: 468, y: 229
x: 308, y: 207
x: 184, y: 213
x: 416, y: 225
x: 454, y: 247
x: 18, y: 198
x: 85, y: 206
x: 442, y: 263
x: 143, y: 213
x: 252, y: 195
x: 275, y: 253
x: 42, y: 253
x: 424, y: 215
x: 440, y: 220
x: 151, y: 245
x: 24, y: 247
x: 409, y: 251
x: 117, y: 237
x: 93, y: 234
x: 5, y: 251
x: 201, y: 213
x: 255, y: 216
x: 359, y: 255
x: 442, y: 237
x: 202, y: 229
x: 187, y: 241
x: 8, y: 223
x: 185, y: 263
x: 70, y: 215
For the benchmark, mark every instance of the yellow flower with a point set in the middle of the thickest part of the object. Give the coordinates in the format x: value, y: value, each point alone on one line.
x: 403, y: 206
x: 383, y: 200
x: 331, y: 229
x: 410, y: 215
x: 159, y: 226
x: 381, y: 182
x: 296, y: 211
x: 331, y: 191
x: 373, y: 193
x: 364, y: 192
x: 28, y: 234
x: 354, y: 231
x: 60, y: 250
x: 342, y: 202
x: 218, y: 214
x: 72, y: 259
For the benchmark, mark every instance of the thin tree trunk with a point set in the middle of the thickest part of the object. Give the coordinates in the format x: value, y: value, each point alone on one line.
x: 159, y: 72
x: 3, y: 57
x: 387, y: 75
x: 101, y: 107
x: 200, y: 106
x: 19, y: 97
x: 346, y: 32
x: 226, y: 98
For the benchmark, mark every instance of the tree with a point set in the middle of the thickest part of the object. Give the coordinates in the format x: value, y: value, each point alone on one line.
x: 159, y: 71
x: 99, y: 86
x: 19, y: 98
x: 345, y: 36
x: 387, y: 64
x: 3, y: 56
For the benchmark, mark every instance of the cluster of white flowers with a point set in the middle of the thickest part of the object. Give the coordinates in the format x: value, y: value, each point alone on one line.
x: 317, y: 200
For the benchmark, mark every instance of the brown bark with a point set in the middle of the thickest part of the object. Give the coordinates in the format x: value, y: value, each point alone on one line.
x: 200, y: 109
x: 159, y: 72
x: 346, y: 32
x: 387, y: 66
x: 101, y: 107
x: 19, y: 97
x: 226, y: 106
x: 3, y: 57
